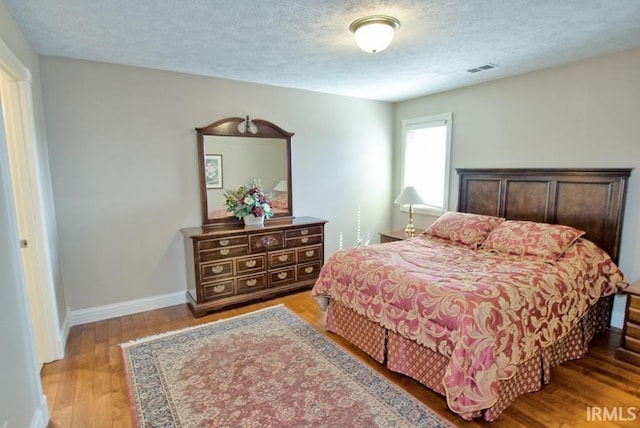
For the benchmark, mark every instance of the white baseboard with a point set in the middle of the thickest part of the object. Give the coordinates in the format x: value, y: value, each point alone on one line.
x: 99, y: 313
x: 40, y: 417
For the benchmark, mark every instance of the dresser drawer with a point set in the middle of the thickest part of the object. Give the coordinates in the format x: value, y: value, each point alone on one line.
x: 217, y: 270
x: 633, y: 315
x: 633, y: 330
x: 217, y: 290
x: 265, y: 242
x: 247, y: 284
x: 228, y: 241
x: 303, y: 241
x: 303, y: 231
x: 632, y: 344
x: 282, y: 258
x: 222, y: 253
x: 308, y: 254
x: 308, y: 271
x: 250, y: 264
x: 634, y: 302
x: 282, y: 276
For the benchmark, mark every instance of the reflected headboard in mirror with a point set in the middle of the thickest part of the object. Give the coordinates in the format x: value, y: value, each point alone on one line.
x: 234, y: 150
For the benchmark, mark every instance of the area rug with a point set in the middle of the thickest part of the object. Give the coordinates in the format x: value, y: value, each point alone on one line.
x: 267, y: 368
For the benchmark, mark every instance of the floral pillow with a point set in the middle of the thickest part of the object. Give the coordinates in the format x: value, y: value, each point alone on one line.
x: 528, y: 238
x: 464, y: 228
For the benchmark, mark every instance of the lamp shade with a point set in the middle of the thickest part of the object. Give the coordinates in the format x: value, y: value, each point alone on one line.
x: 409, y: 196
x: 281, y: 186
x: 374, y: 33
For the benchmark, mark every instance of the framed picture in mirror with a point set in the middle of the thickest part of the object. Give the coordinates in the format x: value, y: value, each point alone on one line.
x: 213, y: 171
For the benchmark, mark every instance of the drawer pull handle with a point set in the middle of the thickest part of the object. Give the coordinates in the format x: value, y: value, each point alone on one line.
x: 304, y: 239
x: 283, y: 258
x: 308, y: 269
x: 217, y: 269
x: 304, y: 232
x: 282, y: 275
x: 252, y: 282
x: 224, y: 242
x: 224, y: 251
x: 218, y: 289
x: 250, y: 263
x: 309, y: 253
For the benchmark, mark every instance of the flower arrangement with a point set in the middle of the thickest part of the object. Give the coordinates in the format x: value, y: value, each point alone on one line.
x: 249, y: 199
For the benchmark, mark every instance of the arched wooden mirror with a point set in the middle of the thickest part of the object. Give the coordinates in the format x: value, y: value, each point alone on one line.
x: 234, y: 150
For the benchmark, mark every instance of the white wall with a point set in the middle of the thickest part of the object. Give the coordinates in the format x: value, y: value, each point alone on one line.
x: 580, y: 115
x: 123, y: 159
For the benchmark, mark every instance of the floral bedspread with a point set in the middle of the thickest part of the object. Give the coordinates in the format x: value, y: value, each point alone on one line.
x: 488, y: 312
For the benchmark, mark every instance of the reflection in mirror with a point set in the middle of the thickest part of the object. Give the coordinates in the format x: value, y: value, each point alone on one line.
x: 244, y: 158
x: 233, y: 151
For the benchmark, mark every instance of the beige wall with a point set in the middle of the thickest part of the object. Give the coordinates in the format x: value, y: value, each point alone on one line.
x: 580, y: 115
x: 123, y: 159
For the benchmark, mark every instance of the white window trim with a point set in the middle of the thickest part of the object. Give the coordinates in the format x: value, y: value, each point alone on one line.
x: 436, y: 118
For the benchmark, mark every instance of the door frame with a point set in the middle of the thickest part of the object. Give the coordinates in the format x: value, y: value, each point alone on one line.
x: 26, y: 182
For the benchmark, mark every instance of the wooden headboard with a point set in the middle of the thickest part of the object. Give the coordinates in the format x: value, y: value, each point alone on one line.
x: 588, y: 199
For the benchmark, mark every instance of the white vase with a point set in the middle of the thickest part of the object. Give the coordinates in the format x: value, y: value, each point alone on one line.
x: 251, y: 220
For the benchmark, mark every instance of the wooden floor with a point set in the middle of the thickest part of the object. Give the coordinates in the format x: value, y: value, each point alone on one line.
x: 87, y: 388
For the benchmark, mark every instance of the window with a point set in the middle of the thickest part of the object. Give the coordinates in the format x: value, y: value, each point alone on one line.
x: 426, y: 154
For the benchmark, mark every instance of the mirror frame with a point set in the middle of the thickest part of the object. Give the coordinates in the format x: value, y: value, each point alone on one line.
x: 240, y: 127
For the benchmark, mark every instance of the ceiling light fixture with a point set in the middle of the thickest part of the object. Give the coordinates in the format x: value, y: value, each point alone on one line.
x: 374, y: 33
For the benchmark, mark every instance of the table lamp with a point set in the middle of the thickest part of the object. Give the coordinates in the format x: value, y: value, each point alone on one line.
x: 409, y: 196
x: 281, y: 186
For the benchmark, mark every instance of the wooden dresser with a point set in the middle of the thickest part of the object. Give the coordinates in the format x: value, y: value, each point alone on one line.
x: 630, y: 349
x: 234, y: 264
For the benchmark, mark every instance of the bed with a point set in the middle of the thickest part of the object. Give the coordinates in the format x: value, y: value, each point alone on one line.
x: 484, y: 303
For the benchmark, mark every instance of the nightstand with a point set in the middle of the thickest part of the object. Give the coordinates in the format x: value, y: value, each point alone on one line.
x: 392, y: 236
x: 630, y: 349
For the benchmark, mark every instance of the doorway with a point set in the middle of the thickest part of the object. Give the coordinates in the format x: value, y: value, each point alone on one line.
x: 17, y: 115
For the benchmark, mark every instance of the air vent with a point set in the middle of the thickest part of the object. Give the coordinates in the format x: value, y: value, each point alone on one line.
x: 488, y: 66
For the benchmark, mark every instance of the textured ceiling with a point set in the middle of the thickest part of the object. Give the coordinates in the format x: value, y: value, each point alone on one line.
x: 306, y: 44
